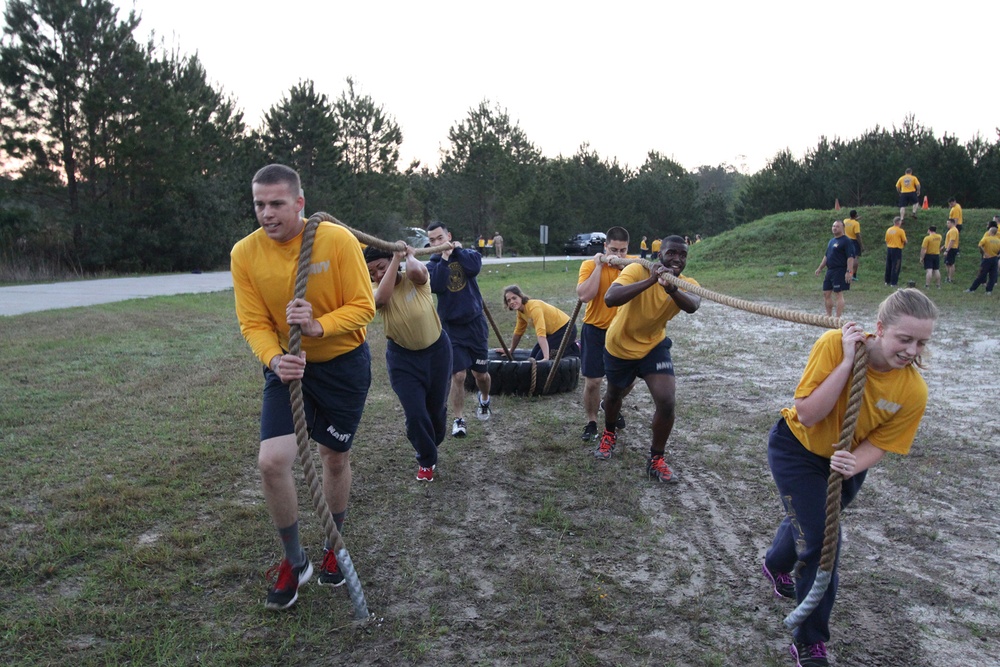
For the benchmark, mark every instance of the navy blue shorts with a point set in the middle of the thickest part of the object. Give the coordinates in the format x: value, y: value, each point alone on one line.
x: 907, y: 198
x: 932, y: 262
x: 949, y: 259
x: 836, y: 281
x: 857, y: 247
x: 333, y: 394
x: 592, y: 357
x: 623, y: 372
x: 468, y: 344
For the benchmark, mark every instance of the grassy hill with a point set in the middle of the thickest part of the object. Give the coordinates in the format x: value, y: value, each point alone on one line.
x: 746, y: 260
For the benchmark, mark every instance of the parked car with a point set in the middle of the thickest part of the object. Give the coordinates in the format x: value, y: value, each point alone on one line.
x: 585, y: 244
x: 416, y: 237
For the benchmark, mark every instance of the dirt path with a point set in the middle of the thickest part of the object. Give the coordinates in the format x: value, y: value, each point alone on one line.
x: 526, y: 551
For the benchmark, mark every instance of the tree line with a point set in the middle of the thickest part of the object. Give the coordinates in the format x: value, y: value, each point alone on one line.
x: 122, y: 156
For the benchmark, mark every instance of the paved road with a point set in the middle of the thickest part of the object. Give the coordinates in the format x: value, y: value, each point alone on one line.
x: 20, y: 299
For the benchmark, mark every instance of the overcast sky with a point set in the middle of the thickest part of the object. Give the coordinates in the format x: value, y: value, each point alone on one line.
x: 704, y: 83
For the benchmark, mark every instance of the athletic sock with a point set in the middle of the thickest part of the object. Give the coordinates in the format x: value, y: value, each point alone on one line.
x: 338, y: 521
x: 290, y: 542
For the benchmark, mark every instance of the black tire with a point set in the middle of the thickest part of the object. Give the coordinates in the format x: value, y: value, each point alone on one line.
x: 514, y: 377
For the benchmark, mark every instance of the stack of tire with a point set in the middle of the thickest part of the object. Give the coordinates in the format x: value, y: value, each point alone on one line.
x: 514, y: 377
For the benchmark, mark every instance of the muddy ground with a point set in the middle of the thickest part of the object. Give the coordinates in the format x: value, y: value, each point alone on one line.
x: 527, y: 551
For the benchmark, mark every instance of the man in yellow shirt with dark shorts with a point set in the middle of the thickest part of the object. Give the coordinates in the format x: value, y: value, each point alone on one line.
x: 593, y: 281
x: 637, y: 346
x: 930, y: 256
x: 908, y: 188
x: 337, y: 306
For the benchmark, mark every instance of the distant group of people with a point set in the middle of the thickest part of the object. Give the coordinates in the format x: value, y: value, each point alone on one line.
x: 843, y: 252
x: 496, y: 243
x: 653, y: 250
x: 430, y: 348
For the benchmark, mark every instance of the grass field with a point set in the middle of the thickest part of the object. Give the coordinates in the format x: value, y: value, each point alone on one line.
x: 134, y: 531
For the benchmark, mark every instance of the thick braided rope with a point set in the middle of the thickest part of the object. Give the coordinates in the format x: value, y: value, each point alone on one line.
x: 834, y: 484
x: 496, y: 330
x: 742, y: 304
x: 534, y: 376
x: 333, y: 536
x: 367, y: 239
x: 562, y: 348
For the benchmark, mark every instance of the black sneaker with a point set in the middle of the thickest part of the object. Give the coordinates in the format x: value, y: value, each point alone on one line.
x: 285, y: 591
x: 589, y: 432
x: 809, y: 655
x: 458, y: 428
x: 329, y: 574
x: 781, y: 582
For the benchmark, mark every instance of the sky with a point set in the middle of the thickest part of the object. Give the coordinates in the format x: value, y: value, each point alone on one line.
x: 705, y: 83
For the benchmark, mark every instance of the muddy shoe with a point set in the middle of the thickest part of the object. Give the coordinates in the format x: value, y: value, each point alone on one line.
x: 458, y: 429
x: 606, y: 446
x: 658, y: 469
x: 589, y: 432
x: 809, y: 655
x: 781, y: 582
x: 425, y: 474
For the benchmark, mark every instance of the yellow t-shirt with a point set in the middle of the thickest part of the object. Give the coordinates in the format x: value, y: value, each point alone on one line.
x: 852, y: 228
x: 339, y: 289
x: 642, y: 245
x: 656, y: 245
x: 641, y: 323
x: 990, y: 245
x: 546, y: 319
x: 892, y: 405
x: 895, y: 237
x: 411, y: 321
x: 952, y: 238
x: 908, y: 183
x: 956, y: 212
x: 931, y: 244
x: 598, y: 313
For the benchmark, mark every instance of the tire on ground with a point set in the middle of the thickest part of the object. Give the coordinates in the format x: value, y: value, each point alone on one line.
x: 514, y: 377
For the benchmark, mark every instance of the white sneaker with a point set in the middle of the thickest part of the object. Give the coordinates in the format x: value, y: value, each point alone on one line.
x: 458, y: 428
x: 483, y: 413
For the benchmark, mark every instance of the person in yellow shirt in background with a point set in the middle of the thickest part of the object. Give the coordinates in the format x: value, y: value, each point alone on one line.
x: 551, y: 325
x: 655, y: 249
x: 908, y: 187
x: 930, y: 257
x: 989, y: 247
x: 333, y: 316
x: 593, y: 281
x: 955, y: 212
x: 951, y: 239
x: 417, y: 350
x: 895, y: 241
x: 852, y: 228
x: 643, y: 248
x: 637, y: 346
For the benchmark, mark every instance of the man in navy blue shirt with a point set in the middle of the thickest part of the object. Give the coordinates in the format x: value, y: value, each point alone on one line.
x: 839, y: 265
x: 460, y: 307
